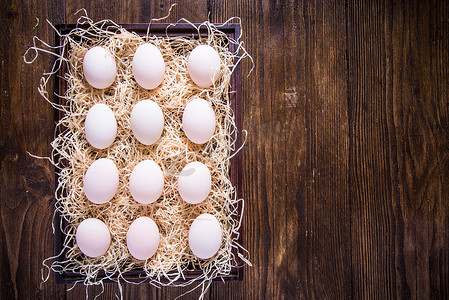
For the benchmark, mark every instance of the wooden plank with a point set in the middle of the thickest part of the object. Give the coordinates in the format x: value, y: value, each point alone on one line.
x: 27, y: 183
x: 324, y: 204
x: 399, y: 165
x: 420, y: 74
x: 438, y: 31
x: 373, y: 195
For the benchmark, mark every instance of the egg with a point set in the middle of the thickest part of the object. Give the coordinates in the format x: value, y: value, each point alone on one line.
x: 100, y: 126
x: 205, y: 236
x: 147, y: 121
x: 99, y: 67
x: 146, y: 182
x: 198, y: 121
x: 101, y: 181
x: 148, y: 66
x: 93, y: 237
x: 194, y: 182
x: 204, y: 65
x: 143, y: 238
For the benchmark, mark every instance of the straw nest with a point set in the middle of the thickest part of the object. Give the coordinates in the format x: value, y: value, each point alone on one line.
x: 73, y: 155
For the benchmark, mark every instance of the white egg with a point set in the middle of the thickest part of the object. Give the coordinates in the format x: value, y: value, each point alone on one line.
x: 99, y: 67
x: 147, y: 121
x: 198, y: 121
x: 204, y: 65
x: 101, y: 181
x: 194, y: 182
x: 148, y: 66
x: 146, y: 182
x: 100, y: 126
x: 205, y: 236
x: 143, y: 238
x: 93, y: 237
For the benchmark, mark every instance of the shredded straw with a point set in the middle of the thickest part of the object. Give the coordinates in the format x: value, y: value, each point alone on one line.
x: 72, y: 155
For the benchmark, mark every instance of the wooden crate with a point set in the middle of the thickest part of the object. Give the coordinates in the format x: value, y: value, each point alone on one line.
x: 233, y: 32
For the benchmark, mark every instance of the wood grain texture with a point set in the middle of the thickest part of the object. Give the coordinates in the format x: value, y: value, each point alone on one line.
x: 346, y: 164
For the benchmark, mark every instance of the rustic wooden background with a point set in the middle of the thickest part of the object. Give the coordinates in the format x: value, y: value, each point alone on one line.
x: 346, y: 166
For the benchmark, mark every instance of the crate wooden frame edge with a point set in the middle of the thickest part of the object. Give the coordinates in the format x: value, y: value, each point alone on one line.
x: 231, y: 30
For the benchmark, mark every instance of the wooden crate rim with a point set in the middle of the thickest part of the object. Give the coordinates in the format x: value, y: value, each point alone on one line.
x: 231, y: 30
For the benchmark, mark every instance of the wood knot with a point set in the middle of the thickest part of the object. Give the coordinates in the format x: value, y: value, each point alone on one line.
x: 12, y: 14
x: 37, y: 180
x: 291, y: 98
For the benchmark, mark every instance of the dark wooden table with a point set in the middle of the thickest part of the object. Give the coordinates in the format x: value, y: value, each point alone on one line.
x: 346, y: 166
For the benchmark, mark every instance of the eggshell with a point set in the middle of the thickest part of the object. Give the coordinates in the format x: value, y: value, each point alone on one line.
x: 148, y: 66
x: 204, y: 65
x: 194, y: 182
x: 99, y: 67
x: 205, y: 236
x: 93, y: 237
x: 100, y: 126
x: 146, y: 182
x: 198, y: 121
x: 147, y: 121
x: 101, y: 181
x: 143, y: 238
